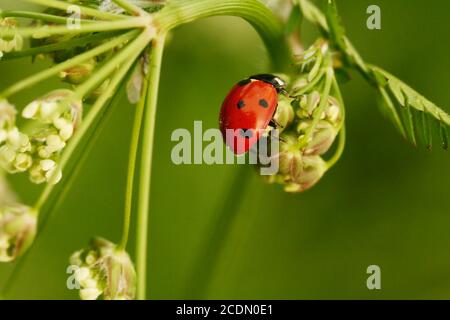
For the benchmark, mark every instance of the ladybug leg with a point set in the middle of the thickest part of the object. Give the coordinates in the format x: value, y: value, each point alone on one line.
x: 275, y: 124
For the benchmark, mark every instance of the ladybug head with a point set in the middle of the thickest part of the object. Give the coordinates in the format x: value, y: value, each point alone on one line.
x: 277, y: 82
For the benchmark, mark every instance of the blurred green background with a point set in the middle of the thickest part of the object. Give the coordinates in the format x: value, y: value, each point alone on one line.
x: 385, y: 203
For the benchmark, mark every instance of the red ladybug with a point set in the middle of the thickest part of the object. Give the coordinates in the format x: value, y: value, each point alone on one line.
x: 248, y: 109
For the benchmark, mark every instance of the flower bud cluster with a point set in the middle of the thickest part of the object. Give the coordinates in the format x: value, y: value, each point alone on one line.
x: 17, y: 230
x: 105, y: 272
x: 312, y: 127
x: 54, y: 120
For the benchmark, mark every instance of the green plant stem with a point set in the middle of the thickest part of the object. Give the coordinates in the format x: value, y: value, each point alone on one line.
x: 342, y: 132
x: 271, y: 30
x: 38, y: 16
x: 134, y: 146
x: 65, y: 45
x: 93, y: 115
x: 146, y: 165
x: 28, y: 82
x: 130, y: 7
x: 340, y: 148
x: 47, y: 31
x: 329, y: 75
x: 91, y: 12
x: 102, y: 73
x: 312, y: 84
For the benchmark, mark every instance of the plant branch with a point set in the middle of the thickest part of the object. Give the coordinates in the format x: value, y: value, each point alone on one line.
x: 130, y: 7
x: 28, y: 82
x: 47, y: 31
x: 146, y: 165
x: 101, y: 74
x: 91, y: 117
x: 65, y: 45
x: 271, y: 30
x: 134, y: 146
x: 38, y: 16
x: 91, y: 12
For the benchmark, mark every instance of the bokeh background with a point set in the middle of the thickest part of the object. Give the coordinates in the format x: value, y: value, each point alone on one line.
x: 214, y: 236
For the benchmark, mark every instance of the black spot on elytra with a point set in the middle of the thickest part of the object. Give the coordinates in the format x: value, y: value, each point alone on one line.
x: 263, y: 103
x: 240, y: 104
x: 246, y: 133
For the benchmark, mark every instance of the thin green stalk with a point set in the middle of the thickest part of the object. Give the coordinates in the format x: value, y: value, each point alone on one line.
x: 86, y: 11
x: 146, y: 166
x: 47, y: 31
x: 34, y: 79
x: 101, y: 74
x: 340, y: 148
x: 38, y: 16
x: 303, y: 140
x: 131, y: 8
x: 92, y: 116
x: 65, y: 45
x: 269, y: 27
x: 312, y: 84
x: 342, y: 133
x: 134, y: 146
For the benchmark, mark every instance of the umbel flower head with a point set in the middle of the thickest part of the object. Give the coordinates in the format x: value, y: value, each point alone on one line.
x: 318, y: 117
x: 55, y: 118
x: 104, y: 271
x: 298, y: 172
x: 17, y: 230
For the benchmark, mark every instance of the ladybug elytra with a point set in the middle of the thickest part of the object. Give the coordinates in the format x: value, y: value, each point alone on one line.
x: 248, y: 109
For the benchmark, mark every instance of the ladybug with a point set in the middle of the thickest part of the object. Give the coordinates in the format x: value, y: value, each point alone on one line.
x: 248, y: 109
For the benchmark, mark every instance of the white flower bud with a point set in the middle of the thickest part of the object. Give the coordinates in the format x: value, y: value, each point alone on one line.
x: 7, y: 155
x: 37, y: 176
x: 53, y: 176
x: 18, y: 140
x: 47, y: 164
x: 66, y: 133
x: 43, y: 152
x: 50, y: 111
x: 31, y: 110
x: 23, y: 162
x: 54, y: 143
x: 82, y: 274
x: 65, y: 128
x: 7, y: 115
x: 90, y: 294
x: 89, y: 283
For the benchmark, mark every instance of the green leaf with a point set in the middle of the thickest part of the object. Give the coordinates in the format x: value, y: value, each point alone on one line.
x: 313, y: 14
x: 414, y: 115
x: 294, y: 20
x: 331, y: 25
x: 337, y: 30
